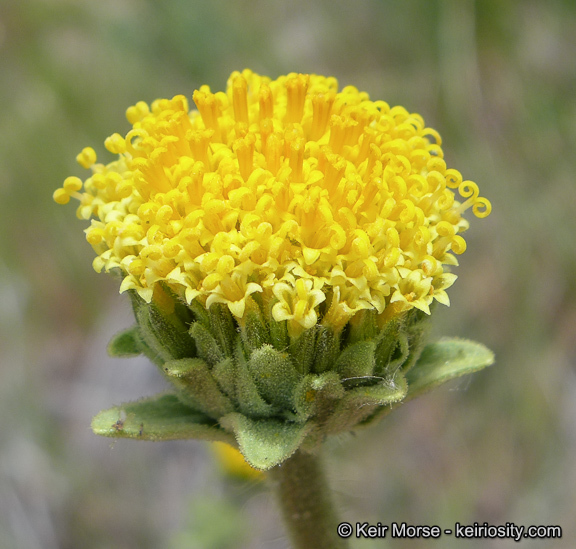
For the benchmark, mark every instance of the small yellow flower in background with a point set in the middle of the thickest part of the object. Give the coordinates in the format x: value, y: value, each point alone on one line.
x: 233, y: 463
x: 322, y: 202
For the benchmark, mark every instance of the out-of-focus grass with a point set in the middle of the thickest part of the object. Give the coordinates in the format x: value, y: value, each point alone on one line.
x: 495, y: 78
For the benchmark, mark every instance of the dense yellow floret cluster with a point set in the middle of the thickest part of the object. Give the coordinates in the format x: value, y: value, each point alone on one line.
x: 288, y: 188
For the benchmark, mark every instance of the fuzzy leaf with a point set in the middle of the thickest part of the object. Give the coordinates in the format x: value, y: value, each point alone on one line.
x: 360, y: 402
x: 199, y: 313
x: 387, y: 344
x: 279, y: 334
x: 274, y: 375
x: 206, y: 346
x: 225, y: 374
x: 302, y: 349
x: 247, y: 396
x: 162, y: 417
x: 222, y: 327
x: 363, y: 326
x: 392, y: 350
x: 327, y: 349
x: 444, y: 360
x: 400, y: 353
x: 171, y: 333
x: 165, y: 337
x: 316, y: 395
x: 265, y: 442
x: 254, y: 329
x: 197, y: 387
x: 126, y: 343
x: 417, y: 327
x: 153, y: 348
x: 356, y: 361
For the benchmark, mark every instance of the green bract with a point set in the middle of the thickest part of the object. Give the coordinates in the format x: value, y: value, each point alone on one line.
x: 255, y: 388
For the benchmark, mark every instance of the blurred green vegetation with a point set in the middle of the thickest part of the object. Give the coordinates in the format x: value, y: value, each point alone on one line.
x: 497, y: 79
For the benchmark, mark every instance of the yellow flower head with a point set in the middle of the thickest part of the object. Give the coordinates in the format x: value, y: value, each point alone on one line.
x: 285, y: 188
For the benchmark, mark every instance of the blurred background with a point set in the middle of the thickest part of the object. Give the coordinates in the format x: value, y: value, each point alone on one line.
x: 497, y: 79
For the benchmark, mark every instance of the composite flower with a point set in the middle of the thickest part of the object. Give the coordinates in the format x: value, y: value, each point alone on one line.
x: 282, y: 243
x: 315, y: 200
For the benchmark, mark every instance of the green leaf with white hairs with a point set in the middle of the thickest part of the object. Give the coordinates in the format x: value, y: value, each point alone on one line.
x: 302, y: 350
x: 265, y: 443
x: 225, y: 375
x: 197, y: 387
x: 164, y: 336
x: 326, y: 350
x: 356, y: 361
x: 126, y: 344
x: 387, y: 344
x: 163, y: 417
x: 207, y: 347
x: 392, y: 350
x: 274, y: 375
x: 248, y: 398
x: 445, y: 360
x: 359, y: 403
x: 254, y: 329
x: 418, y: 325
x: 317, y: 394
x: 222, y: 327
x: 362, y: 326
x: 153, y: 348
x: 279, y: 334
x: 168, y: 331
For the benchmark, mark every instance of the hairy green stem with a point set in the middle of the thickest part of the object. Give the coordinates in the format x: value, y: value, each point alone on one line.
x: 304, y: 497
